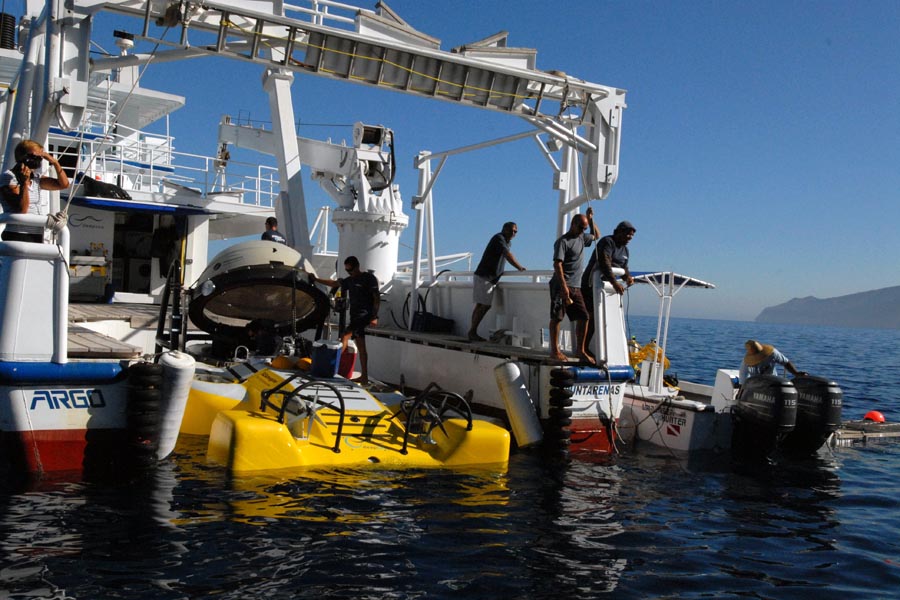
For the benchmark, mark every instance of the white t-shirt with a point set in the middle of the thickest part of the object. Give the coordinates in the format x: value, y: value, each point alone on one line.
x: 39, y: 202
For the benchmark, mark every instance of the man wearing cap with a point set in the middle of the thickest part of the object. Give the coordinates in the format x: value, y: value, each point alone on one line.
x: 761, y: 359
x: 488, y: 274
x: 613, y: 252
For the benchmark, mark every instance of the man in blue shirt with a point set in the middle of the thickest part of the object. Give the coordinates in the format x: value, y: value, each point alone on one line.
x: 761, y: 359
x: 488, y: 274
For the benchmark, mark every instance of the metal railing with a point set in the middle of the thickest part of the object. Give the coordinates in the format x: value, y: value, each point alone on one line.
x: 139, y: 161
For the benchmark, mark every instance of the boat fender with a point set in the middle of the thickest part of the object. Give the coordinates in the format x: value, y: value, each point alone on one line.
x: 557, y: 429
x: 604, y: 374
x: 144, y: 390
x: 177, y: 375
x: 520, y: 409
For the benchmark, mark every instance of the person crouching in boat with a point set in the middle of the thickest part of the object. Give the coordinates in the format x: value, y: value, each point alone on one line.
x: 20, y: 189
x: 364, y: 299
x: 761, y: 359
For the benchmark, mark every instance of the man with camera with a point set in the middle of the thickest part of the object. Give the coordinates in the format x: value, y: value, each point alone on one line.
x: 20, y: 189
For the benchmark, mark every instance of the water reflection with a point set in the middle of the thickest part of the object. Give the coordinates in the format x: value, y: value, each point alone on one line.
x: 575, y: 551
x: 645, y: 525
x: 51, y: 528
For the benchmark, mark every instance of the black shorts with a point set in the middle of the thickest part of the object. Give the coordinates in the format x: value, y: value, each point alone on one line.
x: 358, y: 324
x: 587, y: 294
x: 576, y: 311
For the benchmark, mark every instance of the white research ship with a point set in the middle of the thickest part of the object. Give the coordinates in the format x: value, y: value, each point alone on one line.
x: 574, y: 125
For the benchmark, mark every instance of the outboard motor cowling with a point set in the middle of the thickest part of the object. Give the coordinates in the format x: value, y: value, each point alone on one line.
x: 819, y: 410
x: 765, y: 412
x: 769, y: 401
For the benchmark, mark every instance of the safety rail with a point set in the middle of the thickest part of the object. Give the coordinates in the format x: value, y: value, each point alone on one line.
x: 140, y: 161
x: 444, y: 277
x: 287, y: 396
x: 427, y: 410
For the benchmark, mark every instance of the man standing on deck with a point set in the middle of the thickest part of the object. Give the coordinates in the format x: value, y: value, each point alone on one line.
x: 613, y: 252
x: 565, y: 294
x: 488, y: 274
x: 365, y: 300
x: 271, y: 234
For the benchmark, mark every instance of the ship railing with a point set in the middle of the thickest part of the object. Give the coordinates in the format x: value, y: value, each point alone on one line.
x: 446, y: 277
x: 146, y: 162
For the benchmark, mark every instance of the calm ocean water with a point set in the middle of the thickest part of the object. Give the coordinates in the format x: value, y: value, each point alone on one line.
x: 646, y: 525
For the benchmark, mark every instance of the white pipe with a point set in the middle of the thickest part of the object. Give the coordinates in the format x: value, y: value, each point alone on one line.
x: 478, y: 146
x: 21, y: 124
x: 429, y: 221
x: 424, y: 181
x: 61, y: 268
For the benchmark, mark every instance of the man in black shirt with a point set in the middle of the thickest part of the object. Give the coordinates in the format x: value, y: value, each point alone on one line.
x: 488, y: 274
x: 361, y: 289
x: 612, y: 251
x: 271, y: 234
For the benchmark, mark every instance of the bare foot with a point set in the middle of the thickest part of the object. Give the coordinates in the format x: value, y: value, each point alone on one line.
x: 588, y: 359
x: 559, y: 356
x: 474, y: 337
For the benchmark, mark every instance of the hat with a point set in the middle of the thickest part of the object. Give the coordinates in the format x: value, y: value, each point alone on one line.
x: 756, y: 352
x: 626, y: 226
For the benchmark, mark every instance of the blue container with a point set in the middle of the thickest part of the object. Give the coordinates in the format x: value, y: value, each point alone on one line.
x: 326, y: 356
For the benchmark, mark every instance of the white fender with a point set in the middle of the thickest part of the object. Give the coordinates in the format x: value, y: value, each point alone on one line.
x: 519, y: 408
x: 178, y: 373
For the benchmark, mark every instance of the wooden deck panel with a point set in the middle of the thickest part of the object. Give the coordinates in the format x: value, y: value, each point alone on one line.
x: 139, y: 316
x: 84, y: 343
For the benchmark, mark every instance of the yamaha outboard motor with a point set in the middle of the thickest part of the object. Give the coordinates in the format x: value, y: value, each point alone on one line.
x: 819, y: 407
x: 766, y: 411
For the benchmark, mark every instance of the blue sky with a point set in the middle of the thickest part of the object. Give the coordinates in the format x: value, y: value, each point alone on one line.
x: 760, y: 146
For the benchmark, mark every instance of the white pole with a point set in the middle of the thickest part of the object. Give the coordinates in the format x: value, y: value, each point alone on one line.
x: 424, y: 182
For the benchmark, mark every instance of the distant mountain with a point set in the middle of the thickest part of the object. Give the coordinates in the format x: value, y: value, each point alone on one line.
x: 877, y: 308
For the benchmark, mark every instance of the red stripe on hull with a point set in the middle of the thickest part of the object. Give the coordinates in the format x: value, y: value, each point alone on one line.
x: 591, y: 435
x: 62, y: 450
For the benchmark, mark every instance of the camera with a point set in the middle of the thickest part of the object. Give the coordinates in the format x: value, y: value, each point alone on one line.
x: 33, y: 162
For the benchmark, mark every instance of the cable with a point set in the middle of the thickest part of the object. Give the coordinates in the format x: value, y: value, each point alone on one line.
x: 111, y: 125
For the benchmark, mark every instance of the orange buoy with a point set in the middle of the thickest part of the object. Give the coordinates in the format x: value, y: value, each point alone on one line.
x: 874, y: 415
